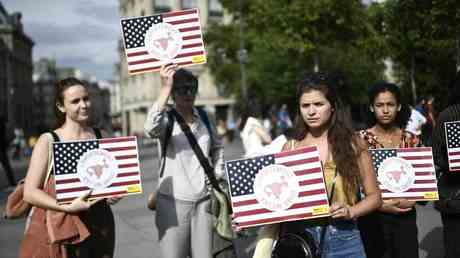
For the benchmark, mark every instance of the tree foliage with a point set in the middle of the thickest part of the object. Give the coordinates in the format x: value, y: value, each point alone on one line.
x: 423, y: 36
x: 287, y: 38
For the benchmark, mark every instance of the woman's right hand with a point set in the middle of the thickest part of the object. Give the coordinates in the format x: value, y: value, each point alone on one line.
x: 166, y: 75
x: 392, y: 206
x: 80, y: 204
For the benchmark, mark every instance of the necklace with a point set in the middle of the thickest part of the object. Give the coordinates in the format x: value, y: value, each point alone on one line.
x: 389, y: 140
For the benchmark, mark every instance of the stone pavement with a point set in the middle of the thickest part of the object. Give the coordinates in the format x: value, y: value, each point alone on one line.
x: 136, y: 234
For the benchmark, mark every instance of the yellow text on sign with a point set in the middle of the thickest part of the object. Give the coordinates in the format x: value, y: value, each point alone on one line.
x: 431, y: 195
x: 134, y: 189
x: 199, y: 59
x: 320, y: 210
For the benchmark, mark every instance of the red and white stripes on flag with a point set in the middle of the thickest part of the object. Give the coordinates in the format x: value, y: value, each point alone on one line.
x: 425, y: 186
x: 66, y: 156
x: 453, y: 144
x: 187, y: 22
x: 310, y: 202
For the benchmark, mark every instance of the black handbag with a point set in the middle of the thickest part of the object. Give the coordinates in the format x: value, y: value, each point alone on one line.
x: 300, y: 243
x: 295, y: 245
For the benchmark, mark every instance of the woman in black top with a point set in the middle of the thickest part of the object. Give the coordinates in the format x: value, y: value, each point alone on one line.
x: 448, y: 181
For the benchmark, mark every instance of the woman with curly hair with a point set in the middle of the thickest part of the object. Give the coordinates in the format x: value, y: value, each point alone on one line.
x: 395, y: 223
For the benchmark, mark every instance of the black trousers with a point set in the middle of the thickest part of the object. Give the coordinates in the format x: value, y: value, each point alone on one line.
x: 390, y: 236
x: 401, y: 235
x: 7, y: 167
x: 371, y: 229
x: 451, y: 230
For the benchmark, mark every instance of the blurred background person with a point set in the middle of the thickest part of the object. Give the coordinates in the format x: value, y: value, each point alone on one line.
x: 415, y: 123
x: 4, y: 153
x: 284, y: 122
x: 252, y: 132
x: 427, y: 128
x: 18, y: 143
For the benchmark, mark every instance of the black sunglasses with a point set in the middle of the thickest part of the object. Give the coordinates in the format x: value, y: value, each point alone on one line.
x: 189, y: 91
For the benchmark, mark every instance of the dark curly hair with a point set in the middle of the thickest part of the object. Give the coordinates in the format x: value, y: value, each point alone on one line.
x: 60, y: 87
x: 403, y: 115
x: 341, y: 137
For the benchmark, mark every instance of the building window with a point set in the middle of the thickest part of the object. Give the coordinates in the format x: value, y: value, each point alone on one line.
x: 187, y: 4
x: 215, y: 8
x: 142, y: 13
x: 161, y: 6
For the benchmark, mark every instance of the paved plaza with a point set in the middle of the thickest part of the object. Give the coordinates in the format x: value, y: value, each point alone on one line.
x: 136, y: 234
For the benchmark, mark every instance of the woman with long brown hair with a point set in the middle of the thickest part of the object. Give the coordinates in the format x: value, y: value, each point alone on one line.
x: 81, y: 228
x: 323, y: 121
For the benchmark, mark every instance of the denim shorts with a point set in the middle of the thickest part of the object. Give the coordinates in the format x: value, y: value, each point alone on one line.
x: 342, y: 239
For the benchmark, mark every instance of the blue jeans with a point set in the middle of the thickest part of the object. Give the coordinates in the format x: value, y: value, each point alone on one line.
x: 341, y: 240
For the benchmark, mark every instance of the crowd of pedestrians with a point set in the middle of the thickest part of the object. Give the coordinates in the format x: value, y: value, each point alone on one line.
x: 360, y: 225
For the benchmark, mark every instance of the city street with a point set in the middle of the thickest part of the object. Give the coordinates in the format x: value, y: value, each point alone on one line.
x: 135, y: 231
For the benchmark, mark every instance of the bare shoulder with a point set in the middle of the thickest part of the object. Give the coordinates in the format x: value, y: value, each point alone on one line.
x: 44, y: 138
x: 43, y: 143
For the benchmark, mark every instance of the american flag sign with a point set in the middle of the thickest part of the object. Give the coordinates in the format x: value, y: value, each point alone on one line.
x: 173, y: 37
x: 285, y: 186
x: 406, y: 173
x: 109, y: 166
x: 453, y: 144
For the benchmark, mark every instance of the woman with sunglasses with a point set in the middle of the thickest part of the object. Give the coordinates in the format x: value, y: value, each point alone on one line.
x: 182, y: 206
x: 396, y: 218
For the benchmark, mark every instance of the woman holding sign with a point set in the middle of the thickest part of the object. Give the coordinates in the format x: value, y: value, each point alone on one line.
x: 322, y: 121
x: 448, y: 176
x: 183, y: 216
x: 394, y: 228
x: 81, y: 228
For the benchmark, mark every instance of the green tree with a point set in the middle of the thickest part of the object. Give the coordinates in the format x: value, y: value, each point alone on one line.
x: 422, y: 39
x: 286, y: 38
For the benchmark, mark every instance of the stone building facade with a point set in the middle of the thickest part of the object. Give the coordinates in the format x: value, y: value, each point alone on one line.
x: 16, y: 68
x: 140, y: 91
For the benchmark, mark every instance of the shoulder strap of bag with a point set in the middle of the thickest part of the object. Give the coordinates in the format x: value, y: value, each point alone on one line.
x: 198, y: 151
x: 204, y: 117
x: 97, y: 132
x: 54, y: 138
x: 164, y: 146
x: 169, y: 127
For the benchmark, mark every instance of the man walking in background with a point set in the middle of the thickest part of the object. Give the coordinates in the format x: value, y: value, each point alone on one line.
x: 3, y: 153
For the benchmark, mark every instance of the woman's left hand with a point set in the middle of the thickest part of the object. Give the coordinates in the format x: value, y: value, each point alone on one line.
x: 405, y: 204
x: 114, y: 200
x: 341, y: 211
